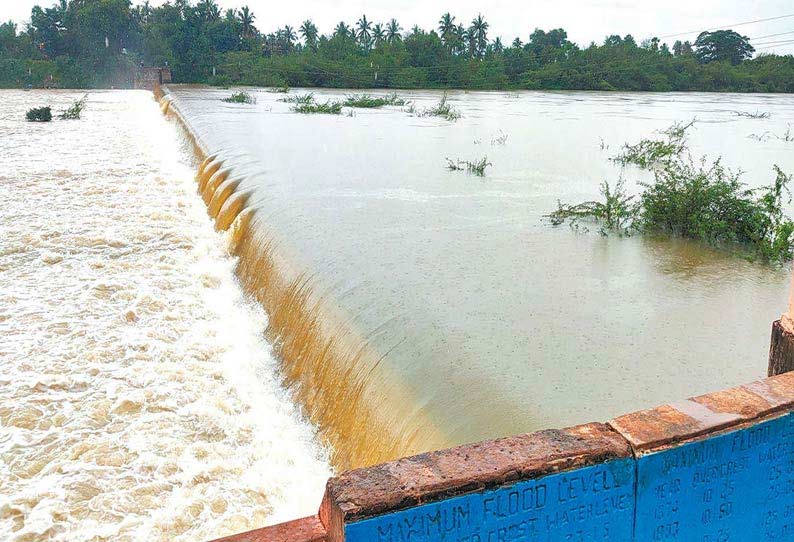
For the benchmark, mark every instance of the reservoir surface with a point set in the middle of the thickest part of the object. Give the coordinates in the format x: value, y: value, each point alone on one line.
x: 478, y: 318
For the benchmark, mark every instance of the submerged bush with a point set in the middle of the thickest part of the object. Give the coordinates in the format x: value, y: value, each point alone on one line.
x: 477, y: 167
x: 41, y: 114
x: 616, y: 212
x: 241, y: 97
x: 73, y: 113
x: 371, y: 102
x: 279, y: 90
x: 651, y: 153
x: 331, y: 108
x: 442, y: 109
x: 698, y: 200
x: 710, y: 203
x: 299, y: 99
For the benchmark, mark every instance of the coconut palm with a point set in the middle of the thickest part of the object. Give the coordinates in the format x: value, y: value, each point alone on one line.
x: 247, y: 18
x: 479, y: 31
x: 447, y: 29
x: 378, y: 34
x: 309, y: 32
x: 342, y: 29
x: 208, y: 10
x: 364, y: 31
x: 461, y: 37
x: 393, y: 30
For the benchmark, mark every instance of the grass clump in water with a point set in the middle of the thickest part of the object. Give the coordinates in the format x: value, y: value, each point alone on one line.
x: 73, y: 113
x: 241, y: 97
x: 371, y: 102
x: 652, y: 153
x: 299, y: 99
x: 756, y: 115
x: 329, y: 108
x: 279, y: 90
x: 39, y: 114
x: 477, y: 168
x: 443, y: 109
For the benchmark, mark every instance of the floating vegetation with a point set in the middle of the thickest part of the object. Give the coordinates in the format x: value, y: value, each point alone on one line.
x: 329, y: 107
x: 786, y: 136
x: 477, y: 168
x: 616, y: 212
x: 698, y: 200
x: 279, y: 90
x: 756, y: 115
x: 40, y: 114
x: 73, y: 113
x: 299, y: 99
x: 500, y: 139
x: 443, y: 109
x: 651, y: 153
x: 241, y: 97
x: 371, y: 102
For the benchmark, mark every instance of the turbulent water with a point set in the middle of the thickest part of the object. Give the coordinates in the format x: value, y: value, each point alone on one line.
x: 138, y: 400
x: 417, y: 307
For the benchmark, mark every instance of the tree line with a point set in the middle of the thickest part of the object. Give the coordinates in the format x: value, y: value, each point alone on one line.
x: 97, y: 43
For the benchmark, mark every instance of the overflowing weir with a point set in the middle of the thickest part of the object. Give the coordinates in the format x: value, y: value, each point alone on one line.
x: 415, y: 311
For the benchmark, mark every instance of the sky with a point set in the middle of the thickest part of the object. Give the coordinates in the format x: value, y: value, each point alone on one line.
x: 584, y: 20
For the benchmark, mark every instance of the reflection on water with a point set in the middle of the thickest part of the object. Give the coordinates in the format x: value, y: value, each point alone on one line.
x: 419, y: 307
x: 137, y: 399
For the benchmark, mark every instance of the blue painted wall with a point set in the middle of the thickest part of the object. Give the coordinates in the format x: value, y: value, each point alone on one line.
x: 585, y: 505
x: 735, y: 487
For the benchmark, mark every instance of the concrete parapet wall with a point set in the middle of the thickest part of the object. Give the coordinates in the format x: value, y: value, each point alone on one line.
x: 715, y: 468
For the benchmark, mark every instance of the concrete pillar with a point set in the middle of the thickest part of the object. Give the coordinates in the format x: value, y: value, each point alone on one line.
x: 781, y: 348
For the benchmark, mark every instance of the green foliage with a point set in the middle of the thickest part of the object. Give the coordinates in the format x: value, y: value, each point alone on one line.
x: 442, y: 109
x: 651, y: 153
x: 329, y: 107
x: 279, y: 90
x: 241, y: 97
x: 202, y: 44
x: 41, y: 114
x: 708, y: 202
x: 617, y: 211
x: 477, y: 167
x: 698, y: 200
x: 723, y: 46
x: 370, y: 102
x: 299, y: 99
x: 73, y: 113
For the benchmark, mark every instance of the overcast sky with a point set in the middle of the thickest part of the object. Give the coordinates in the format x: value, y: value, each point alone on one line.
x: 585, y: 20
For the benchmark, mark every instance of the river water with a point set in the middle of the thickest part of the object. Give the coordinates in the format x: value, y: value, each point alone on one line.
x: 138, y: 400
x: 465, y: 314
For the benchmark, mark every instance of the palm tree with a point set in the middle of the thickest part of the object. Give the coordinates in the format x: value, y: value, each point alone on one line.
x: 342, y: 29
x: 461, y: 37
x: 247, y: 18
x: 208, y: 10
x: 479, y: 31
x: 288, y: 33
x: 517, y: 43
x: 447, y: 29
x: 364, y: 31
x: 498, y: 46
x: 393, y: 30
x: 309, y: 32
x: 378, y: 34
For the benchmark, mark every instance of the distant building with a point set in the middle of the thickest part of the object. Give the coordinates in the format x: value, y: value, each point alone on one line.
x: 148, y: 78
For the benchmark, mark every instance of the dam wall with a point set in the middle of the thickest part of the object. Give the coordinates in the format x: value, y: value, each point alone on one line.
x: 714, y: 468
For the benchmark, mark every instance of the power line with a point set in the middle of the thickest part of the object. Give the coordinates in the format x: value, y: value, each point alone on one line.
x: 771, y: 35
x: 728, y: 25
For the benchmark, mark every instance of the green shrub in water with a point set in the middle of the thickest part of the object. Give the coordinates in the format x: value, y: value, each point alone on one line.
x: 41, y: 114
x: 371, y: 102
x: 73, y: 113
x: 330, y: 108
x: 698, y: 200
x: 241, y: 97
